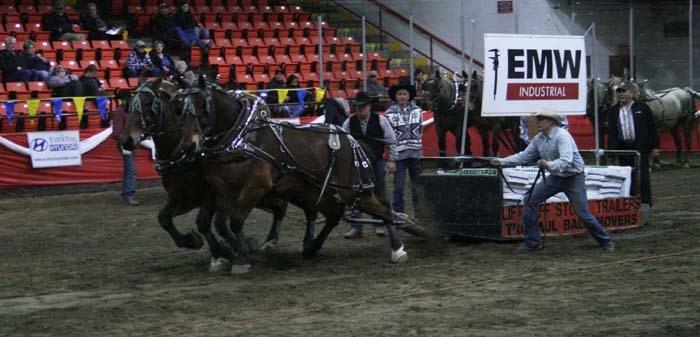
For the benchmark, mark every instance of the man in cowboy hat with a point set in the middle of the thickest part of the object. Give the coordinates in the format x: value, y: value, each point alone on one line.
x: 375, y: 132
x: 406, y: 118
x: 631, y: 126
x: 554, y: 150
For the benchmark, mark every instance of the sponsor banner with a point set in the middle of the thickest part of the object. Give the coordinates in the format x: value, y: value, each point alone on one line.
x: 529, y: 72
x: 54, y: 148
x: 560, y: 218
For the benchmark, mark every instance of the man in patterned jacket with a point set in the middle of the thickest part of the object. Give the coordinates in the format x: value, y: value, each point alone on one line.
x: 407, y: 120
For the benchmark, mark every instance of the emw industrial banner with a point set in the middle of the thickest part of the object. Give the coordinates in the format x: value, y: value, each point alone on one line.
x: 524, y: 73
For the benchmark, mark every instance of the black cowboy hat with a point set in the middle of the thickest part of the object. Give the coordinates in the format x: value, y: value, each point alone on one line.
x: 404, y: 84
x: 362, y: 99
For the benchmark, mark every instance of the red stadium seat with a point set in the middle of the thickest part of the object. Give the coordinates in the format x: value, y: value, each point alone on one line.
x: 40, y: 88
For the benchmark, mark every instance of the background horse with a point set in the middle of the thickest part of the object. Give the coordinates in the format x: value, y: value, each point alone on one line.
x: 447, y: 102
x: 151, y: 114
x: 605, y: 97
x: 316, y: 167
x: 672, y: 108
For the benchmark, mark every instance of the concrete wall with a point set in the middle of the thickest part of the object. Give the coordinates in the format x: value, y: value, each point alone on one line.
x: 661, y: 60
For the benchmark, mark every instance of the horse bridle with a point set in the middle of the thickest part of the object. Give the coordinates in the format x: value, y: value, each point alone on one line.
x: 156, y: 106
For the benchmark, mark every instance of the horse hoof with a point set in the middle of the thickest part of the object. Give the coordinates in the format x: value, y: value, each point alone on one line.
x: 219, y: 265
x: 253, y: 245
x: 269, y: 245
x: 686, y: 165
x: 240, y: 269
x: 197, y: 241
x: 399, y: 256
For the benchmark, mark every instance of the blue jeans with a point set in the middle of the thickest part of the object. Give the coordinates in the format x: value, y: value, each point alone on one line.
x: 23, y: 75
x: 379, y: 167
x: 413, y: 167
x: 196, y: 34
x: 129, y: 177
x: 177, y: 32
x: 575, y: 189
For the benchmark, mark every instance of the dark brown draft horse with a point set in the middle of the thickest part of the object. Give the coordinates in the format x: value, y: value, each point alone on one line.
x: 151, y: 114
x: 446, y: 98
x: 319, y: 168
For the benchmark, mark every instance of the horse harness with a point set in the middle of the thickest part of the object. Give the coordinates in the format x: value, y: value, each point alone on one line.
x: 238, y: 142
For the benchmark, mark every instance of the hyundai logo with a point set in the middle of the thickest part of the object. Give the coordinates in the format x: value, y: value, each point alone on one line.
x: 39, y: 144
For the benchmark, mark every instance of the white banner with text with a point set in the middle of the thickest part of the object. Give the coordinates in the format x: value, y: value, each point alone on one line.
x: 524, y: 73
x: 54, y: 148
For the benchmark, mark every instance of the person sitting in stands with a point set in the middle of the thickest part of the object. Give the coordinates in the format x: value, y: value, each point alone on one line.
x: 294, y: 107
x: 162, y: 62
x: 38, y: 66
x: 96, y: 25
x: 58, y: 23
x: 10, y: 63
x: 185, y: 20
x: 276, y: 82
x: 165, y: 27
x: 91, y: 85
x: 373, y: 87
x: 64, y: 84
x: 183, y: 76
x: 139, y: 63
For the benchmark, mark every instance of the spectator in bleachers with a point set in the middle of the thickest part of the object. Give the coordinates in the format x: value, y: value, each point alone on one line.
x: 276, y: 82
x: 96, y: 25
x: 293, y: 107
x: 192, y: 29
x: 92, y: 86
x: 373, y: 87
x: 11, y: 64
x: 139, y: 63
x: 58, y: 23
x: 63, y: 84
x: 165, y: 26
x: 162, y: 62
x: 37, y: 65
x: 418, y: 78
x: 183, y: 76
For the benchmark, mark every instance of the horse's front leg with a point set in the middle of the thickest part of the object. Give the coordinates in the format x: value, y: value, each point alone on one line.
x: 250, y: 196
x: 224, y: 209
x: 279, y: 210
x: 310, y: 232
x: 190, y: 240
x: 687, y: 132
x: 220, y: 257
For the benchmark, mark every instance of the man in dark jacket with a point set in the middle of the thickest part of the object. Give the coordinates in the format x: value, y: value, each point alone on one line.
x: 376, y: 132
x: 96, y: 25
x: 58, y: 23
x: 165, y: 26
x: 185, y: 20
x: 631, y: 126
x: 277, y: 82
x: 11, y: 64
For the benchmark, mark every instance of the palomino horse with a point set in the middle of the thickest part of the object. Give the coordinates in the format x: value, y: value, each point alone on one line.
x: 151, y: 114
x: 446, y: 98
x: 673, y: 109
x: 316, y: 167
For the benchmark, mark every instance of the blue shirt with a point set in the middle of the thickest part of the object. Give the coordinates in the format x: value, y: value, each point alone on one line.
x: 558, y: 148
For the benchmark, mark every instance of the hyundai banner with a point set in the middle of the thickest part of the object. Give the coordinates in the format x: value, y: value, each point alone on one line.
x: 524, y: 73
x: 54, y: 148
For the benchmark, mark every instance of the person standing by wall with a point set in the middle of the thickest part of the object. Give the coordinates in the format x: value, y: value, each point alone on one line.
x: 407, y: 120
x: 631, y: 126
x: 554, y: 150
x: 375, y: 132
x: 129, y: 163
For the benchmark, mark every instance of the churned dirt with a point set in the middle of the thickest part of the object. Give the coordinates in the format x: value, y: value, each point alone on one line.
x: 75, y: 262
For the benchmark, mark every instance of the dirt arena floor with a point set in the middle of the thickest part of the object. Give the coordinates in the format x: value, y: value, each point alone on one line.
x: 75, y: 262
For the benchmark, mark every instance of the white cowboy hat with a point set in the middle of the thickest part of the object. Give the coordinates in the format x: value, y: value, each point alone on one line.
x: 549, y: 113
